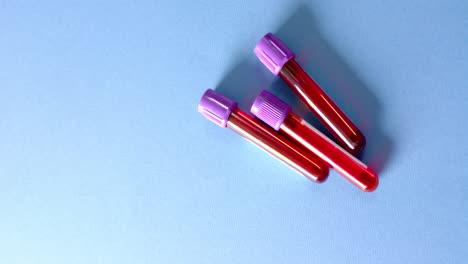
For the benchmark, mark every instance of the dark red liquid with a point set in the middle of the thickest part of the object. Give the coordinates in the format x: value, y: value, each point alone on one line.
x: 278, y: 145
x: 340, y: 160
x: 323, y: 107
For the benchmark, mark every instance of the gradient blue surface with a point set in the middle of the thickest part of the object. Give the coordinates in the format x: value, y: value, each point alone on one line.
x: 105, y: 159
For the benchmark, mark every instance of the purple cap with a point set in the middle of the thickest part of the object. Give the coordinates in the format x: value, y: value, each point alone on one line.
x: 270, y: 109
x: 216, y: 107
x: 273, y: 53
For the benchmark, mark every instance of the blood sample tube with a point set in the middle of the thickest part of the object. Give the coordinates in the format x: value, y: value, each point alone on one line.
x: 279, y: 59
x: 277, y: 114
x: 224, y: 112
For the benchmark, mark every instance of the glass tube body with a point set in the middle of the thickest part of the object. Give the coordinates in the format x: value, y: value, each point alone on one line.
x: 278, y: 145
x: 344, y: 163
x: 323, y: 107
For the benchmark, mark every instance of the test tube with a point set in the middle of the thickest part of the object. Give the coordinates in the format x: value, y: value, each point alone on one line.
x: 279, y: 59
x: 277, y: 114
x: 224, y: 112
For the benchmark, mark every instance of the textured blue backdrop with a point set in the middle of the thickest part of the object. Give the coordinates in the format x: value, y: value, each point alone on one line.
x: 105, y: 159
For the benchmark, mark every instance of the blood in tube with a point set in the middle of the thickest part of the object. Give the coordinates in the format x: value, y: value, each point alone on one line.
x: 224, y: 112
x: 277, y: 114
x: 279, y: 59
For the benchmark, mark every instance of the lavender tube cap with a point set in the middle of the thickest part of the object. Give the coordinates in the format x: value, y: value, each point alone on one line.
x: 216, y: 107
x: 270, y: 109
x: 273, y: 53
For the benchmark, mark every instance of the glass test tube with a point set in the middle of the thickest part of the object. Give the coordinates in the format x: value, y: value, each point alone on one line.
x: 224, y: 112
x: 279, y: 116
x: 279, y: 59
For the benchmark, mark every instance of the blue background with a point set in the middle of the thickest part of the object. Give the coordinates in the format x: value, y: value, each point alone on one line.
x: 105, y: 159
